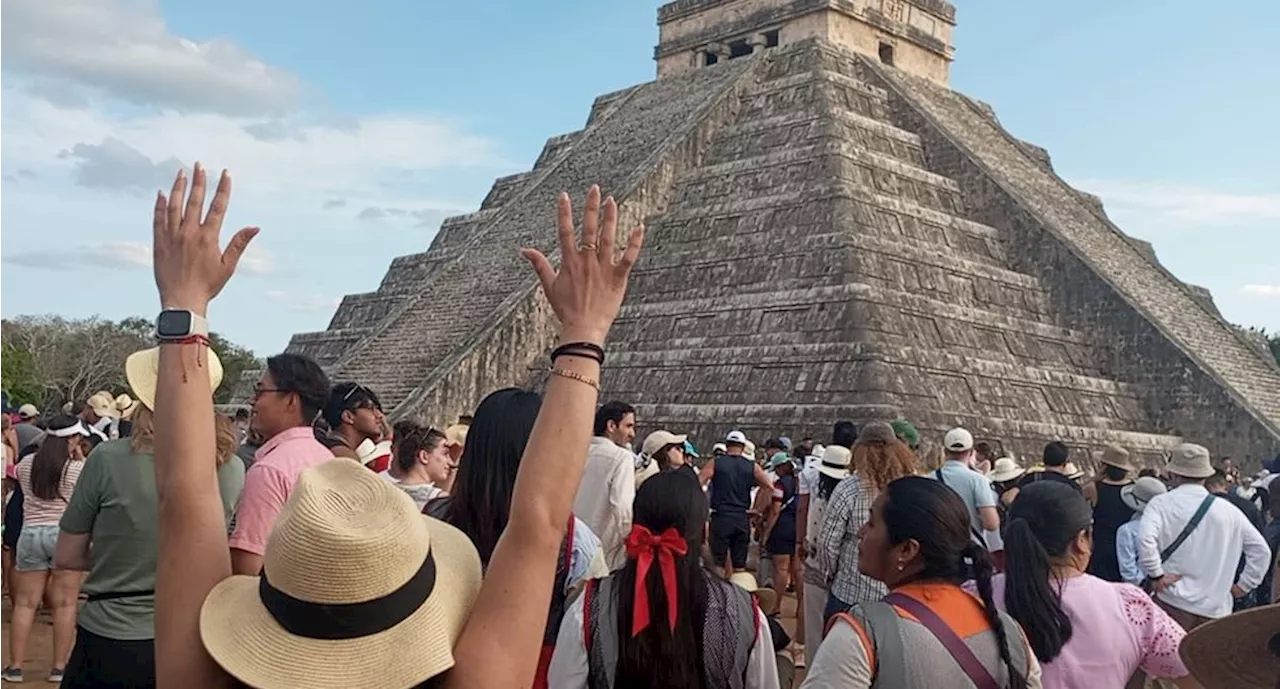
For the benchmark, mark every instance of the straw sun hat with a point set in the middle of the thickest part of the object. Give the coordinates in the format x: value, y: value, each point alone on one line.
x: 142, y: 370
x: 1241, y: 651
x: 358, y: 589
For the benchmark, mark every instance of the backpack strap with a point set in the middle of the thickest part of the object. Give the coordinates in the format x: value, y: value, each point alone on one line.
x: 1191, y: 526
x: 959, y: 650
x: 588, y: 594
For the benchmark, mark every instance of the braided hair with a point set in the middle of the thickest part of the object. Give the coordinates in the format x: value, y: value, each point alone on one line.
x: 934, y: 516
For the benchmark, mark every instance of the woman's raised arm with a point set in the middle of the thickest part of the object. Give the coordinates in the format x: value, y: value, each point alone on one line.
x: 502, y: 639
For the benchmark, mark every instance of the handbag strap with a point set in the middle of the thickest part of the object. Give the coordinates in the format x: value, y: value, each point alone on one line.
x: 956, y: 646
x: 973, y: 530
x: 1191, y: 526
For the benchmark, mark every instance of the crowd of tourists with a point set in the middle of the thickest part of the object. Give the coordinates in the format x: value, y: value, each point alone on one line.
x: 309, y: 542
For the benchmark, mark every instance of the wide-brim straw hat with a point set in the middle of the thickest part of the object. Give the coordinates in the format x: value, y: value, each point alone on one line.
x: 126, y: 405
x: 142, y: 370
x: 835, y: 462
x: 1116, y: 456
x: 1241, y: 651
x: 372, y: 592
x: 1005, y: 469
x: 104, y: 405
x: 767, y: 597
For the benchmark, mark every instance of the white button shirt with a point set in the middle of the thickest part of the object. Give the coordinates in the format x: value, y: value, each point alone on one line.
x: 605, y: 495
x: 1208, y: 558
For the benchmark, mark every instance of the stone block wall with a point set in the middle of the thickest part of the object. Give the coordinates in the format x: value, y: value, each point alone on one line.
x: 1146, y: 328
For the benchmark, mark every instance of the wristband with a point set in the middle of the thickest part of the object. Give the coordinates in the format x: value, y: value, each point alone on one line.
x: 586, y: 350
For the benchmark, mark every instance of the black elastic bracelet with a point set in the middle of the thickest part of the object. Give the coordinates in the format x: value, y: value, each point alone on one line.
x: 581, y: 355
x: 586, y: 350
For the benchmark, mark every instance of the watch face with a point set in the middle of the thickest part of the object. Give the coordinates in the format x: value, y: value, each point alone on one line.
x: 173, y: 324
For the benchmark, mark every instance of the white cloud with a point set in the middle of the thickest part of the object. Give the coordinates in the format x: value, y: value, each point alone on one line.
x: 113, y: 164
x: 304, y: 302
x: 124, y: 48
x: 117, y: 255
x: 256, y: 262
x: 1185, y: 205
x: 1271, y: 291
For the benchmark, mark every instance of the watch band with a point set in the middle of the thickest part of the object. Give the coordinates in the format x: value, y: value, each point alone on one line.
x: 199, y: 325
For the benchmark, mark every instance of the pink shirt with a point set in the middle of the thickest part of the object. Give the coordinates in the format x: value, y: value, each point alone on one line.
x: 1116, y: 629
x: 268, y: 483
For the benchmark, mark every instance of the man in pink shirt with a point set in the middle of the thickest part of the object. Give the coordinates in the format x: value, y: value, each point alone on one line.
x: 286, y: 401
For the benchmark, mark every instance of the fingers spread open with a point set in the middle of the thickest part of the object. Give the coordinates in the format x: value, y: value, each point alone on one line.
x: 541, y: 266
x: 632, y: 253
x: 591, y: 218
x: 608, y: 230
x: 564, y: 227
x: 176, y: 196
x: 218, y: 209
x: 235, y: 249
x: 161, y: 214
x: 195, y: 203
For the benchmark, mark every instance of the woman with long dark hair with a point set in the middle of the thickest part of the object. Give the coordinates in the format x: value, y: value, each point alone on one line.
x: 1085, y: 631
x: 480, y: 505
x: 47, y: 480
x: 662, y: 620
x: 929, y: 631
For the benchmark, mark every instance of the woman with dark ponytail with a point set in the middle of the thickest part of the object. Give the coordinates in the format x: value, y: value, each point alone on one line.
x: 662, y: 620
x: 928, y: 632
x: 1085, y: 631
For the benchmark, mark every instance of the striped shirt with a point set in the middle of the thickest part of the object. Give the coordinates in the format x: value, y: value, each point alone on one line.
x: 38, y: 511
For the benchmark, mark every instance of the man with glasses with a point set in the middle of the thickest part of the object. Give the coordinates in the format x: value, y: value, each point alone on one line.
x: 286, y: 401
x: 354, y: 415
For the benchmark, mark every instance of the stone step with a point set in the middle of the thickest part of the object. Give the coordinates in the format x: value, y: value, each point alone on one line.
x: 753, y: 137
x: 788, y: 259
x: 803, y: 207
x: 555, y: 148
x: 708, y: 423
x: 813, y: 91
x: 503, y: 189
x: 816, y: 164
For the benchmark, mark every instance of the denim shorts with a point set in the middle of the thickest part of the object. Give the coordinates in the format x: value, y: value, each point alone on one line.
x: 35, y: 548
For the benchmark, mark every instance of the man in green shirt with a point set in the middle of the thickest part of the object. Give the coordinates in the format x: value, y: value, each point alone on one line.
x: 114, y: 511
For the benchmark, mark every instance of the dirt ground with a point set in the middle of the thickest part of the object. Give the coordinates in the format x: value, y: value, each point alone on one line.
x: 39, y: 647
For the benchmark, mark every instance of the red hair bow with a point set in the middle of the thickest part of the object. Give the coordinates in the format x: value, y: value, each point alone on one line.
x: 641, y: 546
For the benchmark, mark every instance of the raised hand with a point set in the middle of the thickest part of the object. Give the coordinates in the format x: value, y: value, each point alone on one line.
x: 190, y: 267
x: 587, y: 291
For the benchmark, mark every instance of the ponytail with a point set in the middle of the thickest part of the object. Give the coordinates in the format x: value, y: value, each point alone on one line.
x: 1028, y: 595
x: 983, y: 568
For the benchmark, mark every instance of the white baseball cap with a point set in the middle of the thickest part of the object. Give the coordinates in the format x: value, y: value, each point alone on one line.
x: 958, y: 440
x: 28, y: 411
x: 735, y: 437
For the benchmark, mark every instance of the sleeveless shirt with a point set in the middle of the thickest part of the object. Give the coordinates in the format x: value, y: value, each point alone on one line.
x: 1108, y: 515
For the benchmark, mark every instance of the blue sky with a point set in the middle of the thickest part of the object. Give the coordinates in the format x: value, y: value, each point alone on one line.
x: 353, y: 128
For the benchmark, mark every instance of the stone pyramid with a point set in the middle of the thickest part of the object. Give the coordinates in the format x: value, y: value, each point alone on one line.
x: 829, y: 237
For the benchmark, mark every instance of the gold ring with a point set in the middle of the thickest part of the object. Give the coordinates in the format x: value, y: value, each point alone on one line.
x: 589, y: 247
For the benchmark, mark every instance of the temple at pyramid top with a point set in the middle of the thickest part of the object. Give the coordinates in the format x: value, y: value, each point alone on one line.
x: 912, y: 35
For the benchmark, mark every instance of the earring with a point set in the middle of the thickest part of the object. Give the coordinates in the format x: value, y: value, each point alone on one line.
x: 901, y: 566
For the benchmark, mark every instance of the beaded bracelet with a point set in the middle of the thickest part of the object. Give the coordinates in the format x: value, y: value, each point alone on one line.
x: 563, y: 373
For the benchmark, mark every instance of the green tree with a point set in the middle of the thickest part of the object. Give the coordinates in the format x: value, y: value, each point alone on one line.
x: 235, y: 360
x: 19, y: 376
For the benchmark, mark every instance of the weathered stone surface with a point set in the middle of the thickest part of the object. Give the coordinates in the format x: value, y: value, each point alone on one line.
x: 827, y: 238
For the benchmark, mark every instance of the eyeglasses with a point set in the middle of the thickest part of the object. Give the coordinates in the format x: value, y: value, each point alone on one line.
x: 259, y: 392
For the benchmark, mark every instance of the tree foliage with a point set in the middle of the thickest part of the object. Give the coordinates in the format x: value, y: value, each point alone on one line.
x: 49, y: 360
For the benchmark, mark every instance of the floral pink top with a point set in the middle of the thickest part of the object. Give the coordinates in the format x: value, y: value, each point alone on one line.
x: 1116, y: 629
